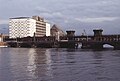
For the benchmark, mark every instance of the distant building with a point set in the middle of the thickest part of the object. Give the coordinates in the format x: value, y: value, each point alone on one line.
x: 56, y: 32
x: 25, y: 26
x: 1, y: 38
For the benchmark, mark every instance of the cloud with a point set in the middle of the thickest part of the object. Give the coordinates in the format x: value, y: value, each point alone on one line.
x: 67, y: 13
x: 4, y: 21
x: 96, y: 20
x: 42, y: 9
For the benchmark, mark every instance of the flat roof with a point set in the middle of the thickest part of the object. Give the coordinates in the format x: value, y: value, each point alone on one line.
x: 20, y: 18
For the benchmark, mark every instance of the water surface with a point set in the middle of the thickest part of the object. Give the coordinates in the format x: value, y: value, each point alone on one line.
x: 36, y: 64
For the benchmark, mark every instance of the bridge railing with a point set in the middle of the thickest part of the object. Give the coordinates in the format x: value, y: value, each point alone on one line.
x: 103, y: 38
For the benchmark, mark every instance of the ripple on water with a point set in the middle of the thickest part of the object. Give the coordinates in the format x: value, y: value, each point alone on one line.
x: 36, y: 64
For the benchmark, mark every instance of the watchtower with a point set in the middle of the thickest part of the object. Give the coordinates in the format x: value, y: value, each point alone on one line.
x: 98, y: 32
x: 70, y: 35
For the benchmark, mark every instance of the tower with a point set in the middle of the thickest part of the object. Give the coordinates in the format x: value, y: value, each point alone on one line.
x: 98, y: 32
x: 70, y: 35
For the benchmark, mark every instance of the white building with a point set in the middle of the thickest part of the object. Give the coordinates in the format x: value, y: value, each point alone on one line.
x: 26, y: 26
x: 40, y: 26
x: 47, y: 29
x: 22, y: 27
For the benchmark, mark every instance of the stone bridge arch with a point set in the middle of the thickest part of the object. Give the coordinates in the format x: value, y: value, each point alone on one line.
x: 108, y: 45
x: 116, y: 45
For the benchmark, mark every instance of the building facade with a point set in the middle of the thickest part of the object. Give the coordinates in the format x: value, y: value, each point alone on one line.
x: 42, y: 28
x: 25, y: 26
x: 21, y: 27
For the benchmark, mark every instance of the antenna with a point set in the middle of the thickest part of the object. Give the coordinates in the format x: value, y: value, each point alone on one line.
x: 85, y: 32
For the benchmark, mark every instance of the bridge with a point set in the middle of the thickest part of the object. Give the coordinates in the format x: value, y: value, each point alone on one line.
x: 98, y: 41
x: 93, y: 42
x: 69, y: 41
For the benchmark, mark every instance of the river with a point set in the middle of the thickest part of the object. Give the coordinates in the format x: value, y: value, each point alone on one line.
x: 57, y: 64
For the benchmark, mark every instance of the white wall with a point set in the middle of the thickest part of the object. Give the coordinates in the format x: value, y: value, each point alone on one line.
x: 22, y: 27
x: 47, y: 29
x: 32, y: 27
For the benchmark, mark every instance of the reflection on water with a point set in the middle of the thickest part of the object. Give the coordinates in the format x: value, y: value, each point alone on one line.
x: 39, y: 63
x: 35, y: 64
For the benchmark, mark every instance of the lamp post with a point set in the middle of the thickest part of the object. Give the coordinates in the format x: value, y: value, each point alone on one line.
x: 34, y: 40
x: 86, y: 35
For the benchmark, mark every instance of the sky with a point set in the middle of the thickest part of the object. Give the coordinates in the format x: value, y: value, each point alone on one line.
x: 78, y: 15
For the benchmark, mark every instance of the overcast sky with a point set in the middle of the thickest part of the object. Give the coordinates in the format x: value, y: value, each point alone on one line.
x: 75, y: 15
